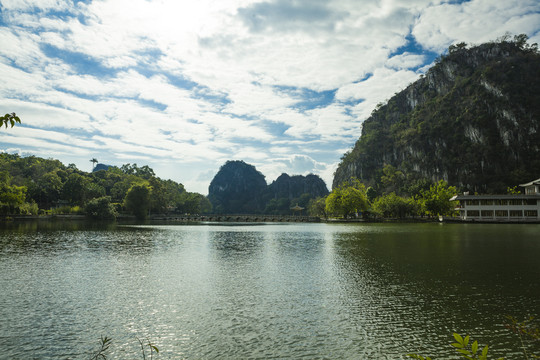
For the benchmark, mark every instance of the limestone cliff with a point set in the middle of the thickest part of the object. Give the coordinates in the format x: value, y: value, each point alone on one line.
x: 291, y: 187
x: 472, y: 120
x: 238, y: 188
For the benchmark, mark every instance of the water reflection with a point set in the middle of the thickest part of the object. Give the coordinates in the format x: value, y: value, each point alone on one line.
x: 263, y: 291
x: 438, y: 280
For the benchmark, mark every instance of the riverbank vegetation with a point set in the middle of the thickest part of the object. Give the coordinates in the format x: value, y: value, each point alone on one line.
x: 352, y: 199
x: 35, y: 186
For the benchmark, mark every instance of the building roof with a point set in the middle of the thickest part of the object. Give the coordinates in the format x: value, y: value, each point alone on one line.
x: 297, y: 208
x: 495, y: 197
x: 534, y: 182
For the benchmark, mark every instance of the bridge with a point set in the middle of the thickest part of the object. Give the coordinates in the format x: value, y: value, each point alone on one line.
x: 236, y: 218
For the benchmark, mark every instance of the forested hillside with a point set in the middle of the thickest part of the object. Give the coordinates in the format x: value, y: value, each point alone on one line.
x: 473, y: 120
x: 29, y: 185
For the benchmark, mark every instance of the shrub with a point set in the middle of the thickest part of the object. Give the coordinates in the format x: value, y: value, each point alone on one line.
x: 101, y: 208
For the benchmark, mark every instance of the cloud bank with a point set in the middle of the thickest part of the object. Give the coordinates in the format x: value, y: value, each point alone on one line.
x: 185, y: 86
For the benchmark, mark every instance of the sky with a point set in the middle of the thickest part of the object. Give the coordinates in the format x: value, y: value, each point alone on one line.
x: 183, y: 86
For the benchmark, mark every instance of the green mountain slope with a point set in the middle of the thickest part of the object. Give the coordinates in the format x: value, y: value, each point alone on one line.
x: 239, y: 188
x: 472, y: 120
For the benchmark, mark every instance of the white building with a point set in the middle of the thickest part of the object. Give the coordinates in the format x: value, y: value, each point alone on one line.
x: 516, y: 207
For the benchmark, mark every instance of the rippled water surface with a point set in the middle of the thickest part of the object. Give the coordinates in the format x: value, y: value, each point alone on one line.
x: 263, y: 291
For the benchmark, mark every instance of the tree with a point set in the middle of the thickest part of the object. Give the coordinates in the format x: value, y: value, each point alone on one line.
x: 93, y: 190
x: 392, y: 179
x: 101, y: 208
x: 371, y: 194
x: 394, y: 206
x: 317, y: 207
x: 436, y: 200
x: 46, y: 189
x: 10, y: 119
x: 193, y: 203
x: 12, y: 197
x: 144, y: 172
x: 73, y: 189
x: 138, y: 201
x: 94, y: 161
x: 349, y: 197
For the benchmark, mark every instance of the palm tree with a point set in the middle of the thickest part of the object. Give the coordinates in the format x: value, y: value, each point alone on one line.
x: 94, y: 161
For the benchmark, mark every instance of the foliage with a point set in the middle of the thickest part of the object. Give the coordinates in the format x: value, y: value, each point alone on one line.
x: 193, y: 203
x: 12, y: 197
x: 317, y: 207
x: 148, y: 345
x: 513, y: 190
x: 473, y: 120
x: 348, y: 198
x: 392, y: 179
x: 371, y: 194
x: 394, y: 206
x: 527, y: 329
x: 436, y: 200
x: 9, y: 119
x: 48, y: 184
x: 94, y: 161
x: 101, y: 208
x: 105, y: 343
x: 470, y: 352
x: 67, y: 210
x: 138, y: 201
x: 144, y: 172
x: 30, y: 208
x: 281, y: 206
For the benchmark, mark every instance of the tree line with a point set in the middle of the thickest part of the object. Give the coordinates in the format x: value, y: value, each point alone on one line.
x: 33, y: 185
x: 386, y: 199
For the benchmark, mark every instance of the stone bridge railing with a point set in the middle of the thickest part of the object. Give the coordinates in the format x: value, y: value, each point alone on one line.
x: 238, y: 218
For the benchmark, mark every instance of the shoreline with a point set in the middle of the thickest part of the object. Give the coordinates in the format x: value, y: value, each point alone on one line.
x: 256, y: 219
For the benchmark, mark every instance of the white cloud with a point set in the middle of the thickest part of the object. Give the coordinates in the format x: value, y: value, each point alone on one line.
x: 194, y: 83
x: 42, y: 5
x: 405, y: 61
x: 380, y: 87
x: 475, y: 22
x: 295, y: 164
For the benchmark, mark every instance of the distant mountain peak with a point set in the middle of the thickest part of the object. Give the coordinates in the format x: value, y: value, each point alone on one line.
x: 473, y: 120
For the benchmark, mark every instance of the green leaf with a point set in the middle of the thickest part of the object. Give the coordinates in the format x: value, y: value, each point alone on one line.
x: 474, y: 347
x: 155, y: 348
x: 464, y: 351
x: 466, y: 340
x: 458, y: 338
x: 457, y: 345
x: 485, y: 351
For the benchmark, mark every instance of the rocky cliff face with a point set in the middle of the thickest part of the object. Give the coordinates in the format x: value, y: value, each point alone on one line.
x: 291, y: 187
x: 237, y: 188
x: 472, y: 120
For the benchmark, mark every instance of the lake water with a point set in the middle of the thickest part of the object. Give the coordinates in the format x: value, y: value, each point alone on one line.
x: 264, y: 291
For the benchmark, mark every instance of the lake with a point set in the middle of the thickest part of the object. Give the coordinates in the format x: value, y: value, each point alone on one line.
x: 264, y: 291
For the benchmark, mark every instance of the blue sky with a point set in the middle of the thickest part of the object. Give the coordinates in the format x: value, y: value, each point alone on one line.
x: 183, y: 86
